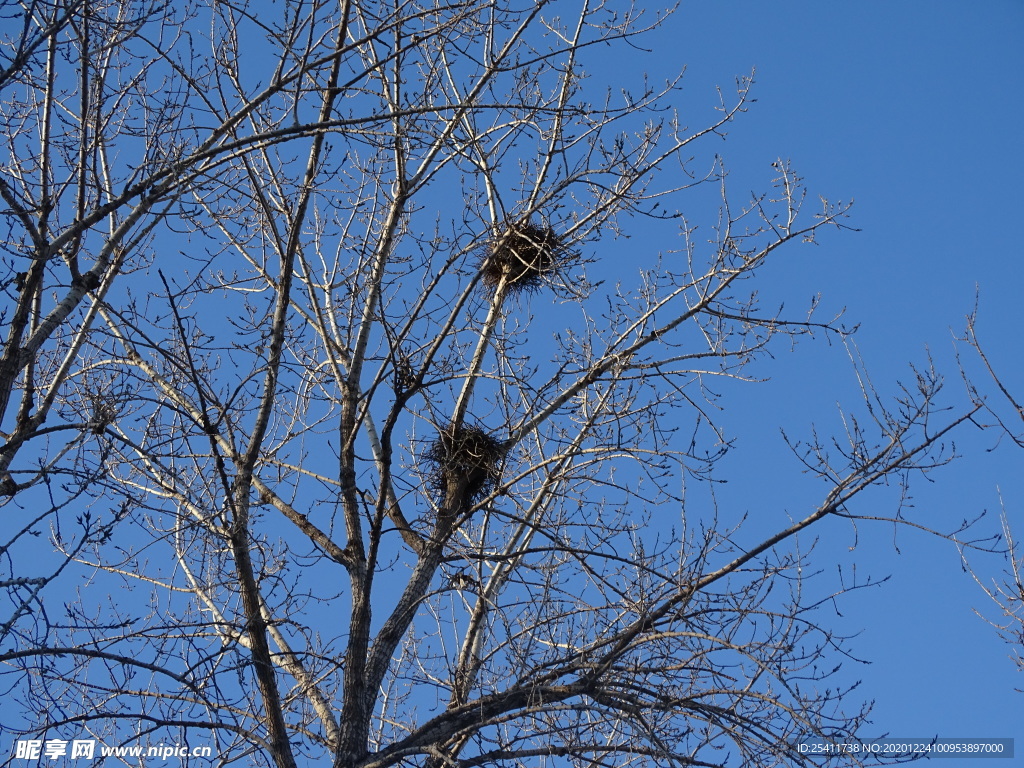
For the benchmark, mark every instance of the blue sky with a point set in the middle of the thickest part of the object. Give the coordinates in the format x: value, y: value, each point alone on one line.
x: 912, y: 109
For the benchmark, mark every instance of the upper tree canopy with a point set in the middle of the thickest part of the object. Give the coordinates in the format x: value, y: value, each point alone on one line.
x: 304, y: 376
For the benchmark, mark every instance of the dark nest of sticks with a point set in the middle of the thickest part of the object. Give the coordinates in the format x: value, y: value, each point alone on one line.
x: 523, y: 254
x: 468, y: 455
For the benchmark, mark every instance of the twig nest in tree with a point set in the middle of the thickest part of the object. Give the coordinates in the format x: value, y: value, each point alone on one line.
x: 523, y: 254
x: 466, y: 461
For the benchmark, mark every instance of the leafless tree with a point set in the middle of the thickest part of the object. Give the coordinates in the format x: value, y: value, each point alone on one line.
x: 319, y: 443
x: 1002, y: 414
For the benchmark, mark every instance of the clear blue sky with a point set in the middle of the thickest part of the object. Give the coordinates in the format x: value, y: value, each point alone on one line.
x: 913, y: 110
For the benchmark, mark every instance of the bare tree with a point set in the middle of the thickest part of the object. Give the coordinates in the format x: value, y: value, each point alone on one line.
x: 305, y: 378
x: 1002, y: 414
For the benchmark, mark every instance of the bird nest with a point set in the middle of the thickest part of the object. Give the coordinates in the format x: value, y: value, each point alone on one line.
x: 523, y: 255
x: 466, y: 458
